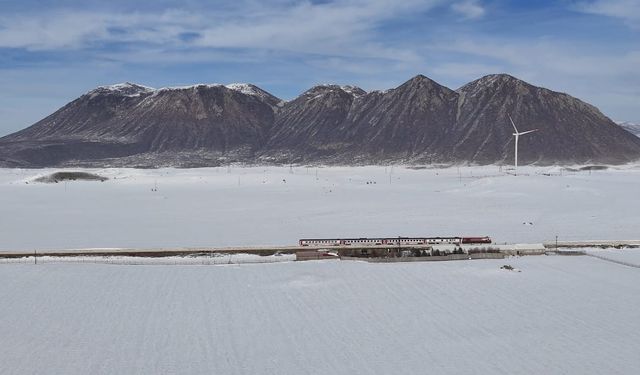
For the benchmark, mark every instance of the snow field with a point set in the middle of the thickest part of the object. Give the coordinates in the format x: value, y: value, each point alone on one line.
x: 221, y: 207
x: 560, y: 315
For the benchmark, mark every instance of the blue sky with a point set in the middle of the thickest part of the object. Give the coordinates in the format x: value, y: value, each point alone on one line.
x: 53, y: 51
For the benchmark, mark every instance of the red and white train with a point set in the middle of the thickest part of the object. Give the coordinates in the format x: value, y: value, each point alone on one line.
x: 319, y: 242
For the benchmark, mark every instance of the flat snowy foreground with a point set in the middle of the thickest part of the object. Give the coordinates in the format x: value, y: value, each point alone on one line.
x: 222, y: 207
x: 559, y: 315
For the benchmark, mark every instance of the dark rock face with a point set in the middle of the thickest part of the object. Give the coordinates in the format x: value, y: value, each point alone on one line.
x: 423, y: 122
x: 199, y: 118
x: 332, y: 125
x: 96, y: 116
x: 570, y: 131
x: 126, y: 120
x: 418, y: 122
x: 311, y: 126
x: 410, y: 122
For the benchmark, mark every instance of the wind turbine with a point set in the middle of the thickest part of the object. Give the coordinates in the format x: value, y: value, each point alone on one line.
x: 517, y: 135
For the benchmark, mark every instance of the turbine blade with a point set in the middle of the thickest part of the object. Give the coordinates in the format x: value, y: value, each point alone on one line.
x: 514, y: 125
x: 529, y: 131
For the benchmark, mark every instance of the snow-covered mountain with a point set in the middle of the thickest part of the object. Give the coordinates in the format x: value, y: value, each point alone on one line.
x: 419, y: 121
x: 422, y: 121
x: 122, y: 89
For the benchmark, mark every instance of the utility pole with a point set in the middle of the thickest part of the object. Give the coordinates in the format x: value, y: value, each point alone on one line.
x: 35, y: 256
x: 556, y: 243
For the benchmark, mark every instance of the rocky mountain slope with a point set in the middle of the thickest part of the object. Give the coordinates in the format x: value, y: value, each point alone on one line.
x: 569, y: 130
x: 420, y: 121
x: 309, y: 126
x: 129, y: 120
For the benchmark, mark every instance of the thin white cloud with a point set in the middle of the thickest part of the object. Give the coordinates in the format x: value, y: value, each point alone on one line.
x: 627, y: 10
x: 345, y: 27
x: 79, y: 29
x: 469, y: 9
x: 341, y: 28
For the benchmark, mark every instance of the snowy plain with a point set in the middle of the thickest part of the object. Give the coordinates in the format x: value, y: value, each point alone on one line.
x: 559, y: 315
x: 234, y: 206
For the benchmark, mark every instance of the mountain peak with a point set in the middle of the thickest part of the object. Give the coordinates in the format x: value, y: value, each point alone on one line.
x: 421, y: 78
x: 245, y: 88
x: 421, y: 82
x: 495, y: 80
x: 499, y: 77
x: 124, y: 89
x: 253, y: 90
x: 248, y: 89
x: 353, y: 90
x: 191, y: 87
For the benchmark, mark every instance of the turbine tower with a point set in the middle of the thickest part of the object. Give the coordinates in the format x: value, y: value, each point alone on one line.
x: 517, y: 135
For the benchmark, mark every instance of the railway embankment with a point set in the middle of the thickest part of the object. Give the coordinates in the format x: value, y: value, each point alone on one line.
x: 370, y: 253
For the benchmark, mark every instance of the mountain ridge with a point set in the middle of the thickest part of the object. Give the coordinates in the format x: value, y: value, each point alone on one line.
x: 420, y: 121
